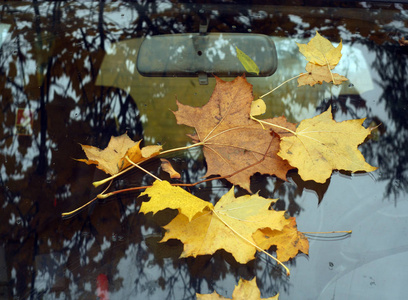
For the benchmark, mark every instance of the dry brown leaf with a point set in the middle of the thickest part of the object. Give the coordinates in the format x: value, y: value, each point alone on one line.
x: 232, y: 140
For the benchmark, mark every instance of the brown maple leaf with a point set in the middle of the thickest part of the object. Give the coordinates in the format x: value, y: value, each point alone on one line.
x: 232, y: 141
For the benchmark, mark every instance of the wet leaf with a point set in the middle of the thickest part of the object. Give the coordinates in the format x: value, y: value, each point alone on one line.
x: 258, y: 107
x: 229, y: 226
x: 232, y: 140
x: 112, y: 160
x: 322, y: 145
x: 320, y: 51
x: 322, y: 57
x: 245, y: 290
x: 318, y: 74
x: 249, y: 65
x: 163, y: 195
x: 289, y: 241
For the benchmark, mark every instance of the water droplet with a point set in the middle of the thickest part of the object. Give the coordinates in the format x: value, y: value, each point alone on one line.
x: 331, y: 265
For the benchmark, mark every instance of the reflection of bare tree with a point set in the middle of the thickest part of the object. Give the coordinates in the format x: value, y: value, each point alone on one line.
x: 53, y: 74
x: 390, y: 150
x: 50, y: 64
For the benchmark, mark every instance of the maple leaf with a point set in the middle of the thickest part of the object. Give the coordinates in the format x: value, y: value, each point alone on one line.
x: 229, y: 226
x: 232, y: 141
x: 322, y: 145
x: 112, y: 159
x: 245, y: 290
x: 265, y: 238
x: 322, y: 57
x: 318, y: 74
x: 163, y: 195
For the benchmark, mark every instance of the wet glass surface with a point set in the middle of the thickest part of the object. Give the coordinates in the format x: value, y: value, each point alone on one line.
x: 69, y: 77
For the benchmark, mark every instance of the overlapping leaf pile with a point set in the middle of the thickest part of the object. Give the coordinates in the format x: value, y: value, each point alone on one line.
x: 322, y: 57
x: 236, y: 146
x: 240, y: 225
x: 234, y: 141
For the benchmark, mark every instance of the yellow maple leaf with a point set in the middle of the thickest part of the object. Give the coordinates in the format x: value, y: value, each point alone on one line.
x: 318, y: 74
x: 163, y: 195
x: 321, y: 145
x: 228, y: 226
x: 322, y: 57
x: 245, y: 290
x: 112, y: 159
x: 321, y: 52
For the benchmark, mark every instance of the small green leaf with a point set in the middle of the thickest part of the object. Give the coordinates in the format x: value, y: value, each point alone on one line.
x: 249, y: 65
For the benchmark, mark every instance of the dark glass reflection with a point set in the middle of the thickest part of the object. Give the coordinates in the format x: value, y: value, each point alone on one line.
x: 69, y: 78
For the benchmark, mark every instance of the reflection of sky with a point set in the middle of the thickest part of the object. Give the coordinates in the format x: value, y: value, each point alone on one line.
x: 378, y: 242
x: 3, y: 32
x: 216, y: 50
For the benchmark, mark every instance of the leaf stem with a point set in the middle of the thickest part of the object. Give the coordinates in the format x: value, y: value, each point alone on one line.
x: 329, y: 232
x: 273, y: 125
x: 103, y: 196
x: 253, y: 244
x: 328, y: 66
x: 181, y: 148
x: 66, y: 214
x: 100, y: 182
x: 144, y: 170
x: 301, y: 74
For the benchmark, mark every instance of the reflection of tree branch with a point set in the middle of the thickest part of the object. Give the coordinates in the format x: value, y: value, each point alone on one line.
x: 100, y: 24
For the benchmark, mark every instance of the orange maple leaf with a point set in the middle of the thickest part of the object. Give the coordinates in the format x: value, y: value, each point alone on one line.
x: 232, y: 141
x: 289, y: 235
